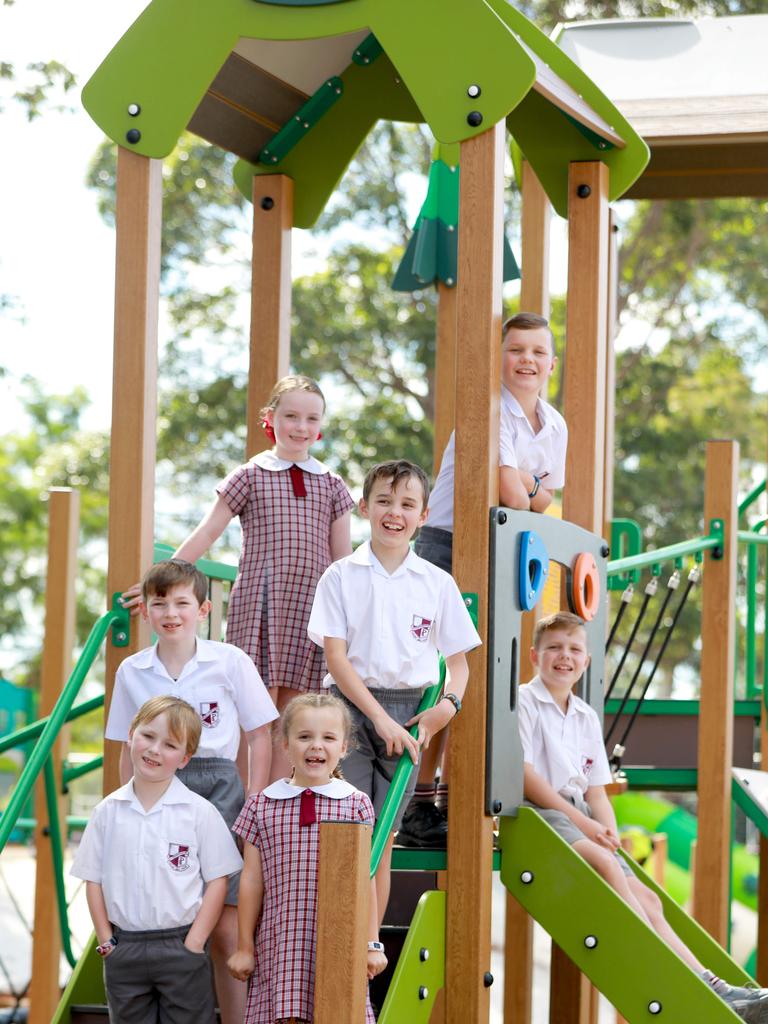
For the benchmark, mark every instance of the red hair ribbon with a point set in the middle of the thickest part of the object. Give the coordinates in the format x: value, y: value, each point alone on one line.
x: 267, y: 428
x: 307, y: 815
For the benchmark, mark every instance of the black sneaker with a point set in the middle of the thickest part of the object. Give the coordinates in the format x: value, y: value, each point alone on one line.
x: 423, y: 826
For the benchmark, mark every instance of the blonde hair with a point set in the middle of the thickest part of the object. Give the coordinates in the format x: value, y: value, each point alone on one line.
x: 183, y: 721
x: 293, y: 382
x: 560, y: 620
x: 317, y: 702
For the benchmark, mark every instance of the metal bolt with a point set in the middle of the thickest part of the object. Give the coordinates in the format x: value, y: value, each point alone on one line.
x: 423, y: 954
x: 496, y: 806
x: 474, y: 118
x: 583, y: 191
x: 267, y: 203
x: 501, y: 518
x: 449, y: 281
x: 530, y: 538
x: 605, y: 550
x: 451, y: 227
x: 133, y: 135
x: 654, y: 1007
x: 134, y: 109
x: 121, y: 637
x: 526, y: 877
x: 473, y: 91
x: 487, y: 979
x: 423, y: 992
x: 590, y: 941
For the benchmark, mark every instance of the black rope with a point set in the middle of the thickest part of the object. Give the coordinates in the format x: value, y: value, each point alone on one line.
x: 650, y: 589
x: 693, y: 578
x: 626, y: 597
x: 672, y: 585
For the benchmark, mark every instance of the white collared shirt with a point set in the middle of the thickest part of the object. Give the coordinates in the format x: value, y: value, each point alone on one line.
x: 220, y: 682
x: 542, y: 454
x: 269, y: 460
x: 565, y: 749
x: 394, y: 625
x: 152, y: 865
x: 284, y: 789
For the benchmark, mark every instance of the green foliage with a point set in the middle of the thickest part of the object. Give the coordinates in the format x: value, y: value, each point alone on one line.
x: 37, y: 86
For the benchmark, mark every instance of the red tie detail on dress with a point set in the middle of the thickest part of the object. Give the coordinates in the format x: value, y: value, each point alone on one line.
x: 307, y: 815
x: 297, y: 479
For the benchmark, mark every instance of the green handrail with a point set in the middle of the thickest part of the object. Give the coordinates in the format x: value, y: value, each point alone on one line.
x: 213, y: 570
x: 114, y: 617
x: 753, y: 495
x: 71, y: 772
x: 750, y: 648
x: 666, y: 554
x: 33, y: 730
x: 57, y: 857
x: 399, y: 782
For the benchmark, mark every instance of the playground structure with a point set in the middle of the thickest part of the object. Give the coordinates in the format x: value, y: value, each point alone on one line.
x: 481, y: 65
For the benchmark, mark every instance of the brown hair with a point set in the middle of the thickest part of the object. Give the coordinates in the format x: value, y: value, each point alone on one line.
x: 183, y: 721
x: 560, y: 620
x: 527, y: 322
x: 317, y: 702
x: 173, y: 572
x: 396, y: 470
x: 293, y: 382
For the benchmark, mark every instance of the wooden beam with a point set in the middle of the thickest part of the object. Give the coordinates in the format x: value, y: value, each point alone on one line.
x: 134, y: 399
x: 711, y: 904
x: 60, y: 603
x: 445, y: 372
x: 534, y: 231
x: 270, y: 298
x: 518, y: 963
x: 584, y: 405
x: 611, y: 328
x: 343, y: 892
x: 584, y: 410
x: 476, y: 489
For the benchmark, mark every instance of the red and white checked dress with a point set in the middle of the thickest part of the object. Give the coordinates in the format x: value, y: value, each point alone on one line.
x: 283, y: 982
x: 286, y: 549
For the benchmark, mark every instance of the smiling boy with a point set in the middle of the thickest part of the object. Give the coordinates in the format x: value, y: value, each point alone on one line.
x: 155, y: 858
x: 383, y: 616
x: 565, y: 774
x: 222, y: 684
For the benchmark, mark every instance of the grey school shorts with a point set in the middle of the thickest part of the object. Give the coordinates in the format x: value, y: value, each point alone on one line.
x: 436, y: 546
x: 152, y: 976
x: 367, y: 766
x: 565, y: 828
x: 218, y: 780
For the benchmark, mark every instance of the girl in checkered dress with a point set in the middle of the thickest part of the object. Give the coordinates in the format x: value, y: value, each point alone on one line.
x: 278, y: 886
x: 294, y: 514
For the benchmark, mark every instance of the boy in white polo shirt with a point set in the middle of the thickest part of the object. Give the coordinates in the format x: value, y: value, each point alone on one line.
x: 222, y: 684
x: 566, y: 772
x: 155, y: 858
x: 383, y: 615
x: 533, y: 439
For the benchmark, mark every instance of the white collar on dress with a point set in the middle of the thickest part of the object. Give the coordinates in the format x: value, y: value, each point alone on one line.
x: 268, y: 460
x: 336, y: 789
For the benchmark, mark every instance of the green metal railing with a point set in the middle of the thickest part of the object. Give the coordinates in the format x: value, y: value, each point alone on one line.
x: 672, y: 552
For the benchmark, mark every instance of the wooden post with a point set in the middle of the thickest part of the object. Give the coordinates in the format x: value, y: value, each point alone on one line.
x: 610, y: 376
x: 713, y: 852
x: 584, y: 409
x: 660, y: 855
x: 343, y: 892
x: 63, y: 533
x: 518, y: 963
x: 134, y: 399
x: 445, y: 372
x: 476, y: 489
x: 534, y: 230
x: 270, y: 298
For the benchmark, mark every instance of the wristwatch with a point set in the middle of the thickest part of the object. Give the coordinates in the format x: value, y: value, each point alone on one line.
x: 454, y: 700
x: 106, y: 947
x: 536, y: 486
x: 375, y: 947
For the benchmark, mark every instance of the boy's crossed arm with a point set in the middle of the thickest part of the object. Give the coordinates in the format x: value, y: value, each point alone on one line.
x: 515, y: 486
x: 601, y: 829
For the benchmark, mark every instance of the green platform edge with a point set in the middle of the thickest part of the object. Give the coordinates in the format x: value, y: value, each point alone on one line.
x: 85, y: 985
x: 167, y: 59
x: 630, y: 965
x: 412, y: 974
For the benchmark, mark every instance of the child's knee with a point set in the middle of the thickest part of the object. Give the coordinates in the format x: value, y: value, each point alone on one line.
x: 647, y: 899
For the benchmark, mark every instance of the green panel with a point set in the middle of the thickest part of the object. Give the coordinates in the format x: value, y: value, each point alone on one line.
x: 420, y: 971
x: 662, y: 778
x: 630, y: 965
x: 405, y: 859
x: 682, y: 708
x: 626, y: 540
x: 318, y: 161
x: 751, y: 807
x: 86, y: 984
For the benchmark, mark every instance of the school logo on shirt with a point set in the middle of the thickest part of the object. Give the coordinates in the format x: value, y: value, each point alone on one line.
x: 178, y: 856
x: 421, y: 628
x: 586, y: 764
x: 209, y: 713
